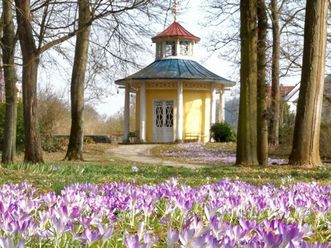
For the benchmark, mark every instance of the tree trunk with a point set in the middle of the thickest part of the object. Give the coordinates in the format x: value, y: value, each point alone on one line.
x: 75, y: 147
x: 33, y: 151
x: 247, y: 130
x: 262, y: 123
x: 275, y: 90
x: 305, y: 149
x: 8, y: 52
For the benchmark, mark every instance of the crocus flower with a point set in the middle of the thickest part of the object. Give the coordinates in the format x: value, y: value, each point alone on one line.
x: 172, y: 238
x: 9, y: 243
x: 131, y: 241
x: 223, y: 214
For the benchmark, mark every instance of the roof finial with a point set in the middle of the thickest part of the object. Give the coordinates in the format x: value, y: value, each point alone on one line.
x: 175, y: 9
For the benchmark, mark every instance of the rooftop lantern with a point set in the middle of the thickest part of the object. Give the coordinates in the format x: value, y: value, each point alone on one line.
x: 175, y: 41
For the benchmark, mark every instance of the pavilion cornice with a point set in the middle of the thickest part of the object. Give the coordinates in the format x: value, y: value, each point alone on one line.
x: 172, y: 85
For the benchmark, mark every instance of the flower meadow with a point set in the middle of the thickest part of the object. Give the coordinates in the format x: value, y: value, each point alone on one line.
x: 223, y: 214
x: 198, y: 153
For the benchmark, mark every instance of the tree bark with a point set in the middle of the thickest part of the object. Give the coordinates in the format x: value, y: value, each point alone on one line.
x: 247, y: 129
x: 275, y: 90
x: 262, y: 123
x: 33, y: 150
x: 305, y: 149
x: 75, y: 147
x: 8, y: 53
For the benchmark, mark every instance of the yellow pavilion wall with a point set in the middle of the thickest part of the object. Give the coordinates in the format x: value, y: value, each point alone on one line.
x: 196, y: 108
x: 196, y: 114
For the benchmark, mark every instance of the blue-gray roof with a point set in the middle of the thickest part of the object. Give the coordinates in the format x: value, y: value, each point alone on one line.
x: 172, y: 69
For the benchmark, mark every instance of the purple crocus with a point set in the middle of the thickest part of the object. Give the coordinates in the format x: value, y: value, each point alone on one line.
x: 131, y: 241
x: 9, y: 243
x: 172, y: 238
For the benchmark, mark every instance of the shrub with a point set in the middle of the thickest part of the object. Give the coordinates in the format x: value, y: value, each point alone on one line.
x: 286, y: 136
x: 53, y: 143
x: 54, y: 118
x: 286, y: 126
x: 222, y: 132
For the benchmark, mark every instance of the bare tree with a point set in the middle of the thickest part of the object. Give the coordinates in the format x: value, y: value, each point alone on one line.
x: 262, y: 122
x: 247, y: 128
x: 8, y: 52
x: 224, y: 14
x: 75, y: 147
x: 289, y: 20
x: 305, y: 149
x: 33, y: 151
x: 33, y: 43
x: 275, y: 90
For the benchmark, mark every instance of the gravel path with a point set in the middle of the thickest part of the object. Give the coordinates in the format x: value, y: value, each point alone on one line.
x: 142, y: 153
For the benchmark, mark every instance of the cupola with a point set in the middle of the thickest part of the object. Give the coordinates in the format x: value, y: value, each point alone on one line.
x: 174, y: 41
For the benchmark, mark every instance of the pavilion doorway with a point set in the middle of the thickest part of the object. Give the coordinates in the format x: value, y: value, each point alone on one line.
x: 163, y: 121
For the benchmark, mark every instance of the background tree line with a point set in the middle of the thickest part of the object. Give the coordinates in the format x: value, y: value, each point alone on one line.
x: 54, y: 118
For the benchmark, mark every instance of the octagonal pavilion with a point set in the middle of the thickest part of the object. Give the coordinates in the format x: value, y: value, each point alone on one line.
x: 175, y: 95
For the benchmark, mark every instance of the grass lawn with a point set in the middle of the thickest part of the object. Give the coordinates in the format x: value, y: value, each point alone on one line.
x: 99, y: 168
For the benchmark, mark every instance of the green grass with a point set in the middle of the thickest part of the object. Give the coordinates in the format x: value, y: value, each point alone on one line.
x: 99, y: 168
x: 55, y: 176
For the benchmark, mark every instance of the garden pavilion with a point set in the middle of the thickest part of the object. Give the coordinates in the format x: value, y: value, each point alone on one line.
x: 175, y: 95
